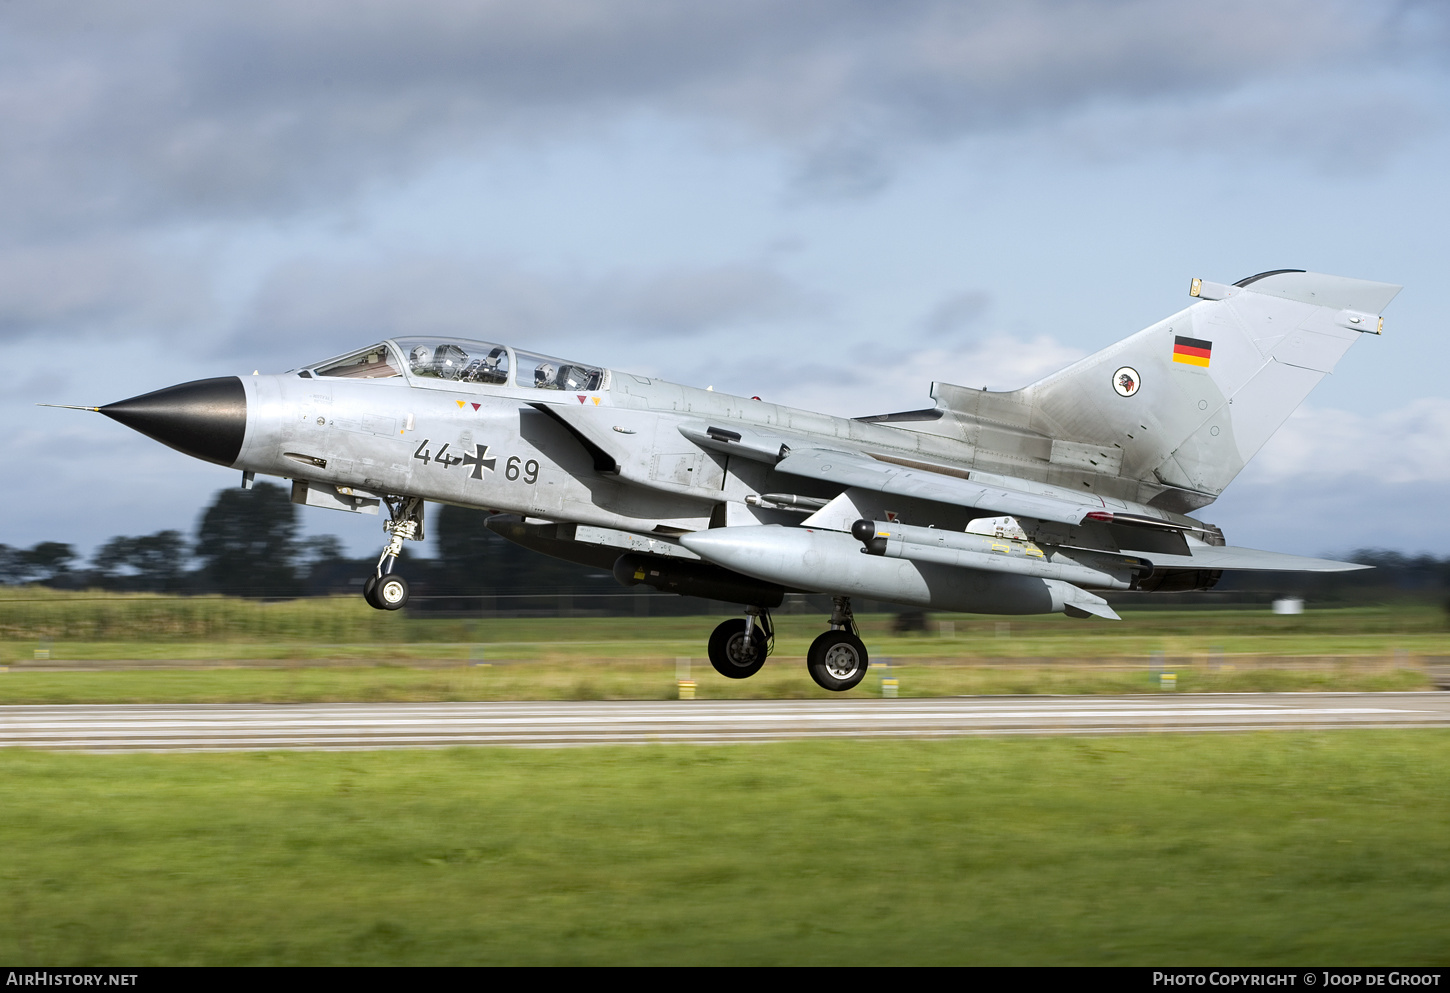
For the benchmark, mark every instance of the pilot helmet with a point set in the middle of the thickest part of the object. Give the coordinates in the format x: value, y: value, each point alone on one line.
x: 449, y: 360
x: 544, y: 375
x: 419, y: 357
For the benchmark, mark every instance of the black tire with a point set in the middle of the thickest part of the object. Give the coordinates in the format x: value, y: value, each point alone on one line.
x: 837, y: 661
x: 391, y: 593
x: 727, y: 649
x: 369, y: 586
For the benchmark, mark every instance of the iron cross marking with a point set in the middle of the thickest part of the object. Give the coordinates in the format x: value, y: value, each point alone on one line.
x: 480, y: 460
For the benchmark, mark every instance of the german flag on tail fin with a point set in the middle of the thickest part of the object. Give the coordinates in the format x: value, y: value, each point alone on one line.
x: 1191, y: 351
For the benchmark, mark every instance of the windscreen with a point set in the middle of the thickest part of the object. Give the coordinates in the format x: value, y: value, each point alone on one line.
x: 374, y: 363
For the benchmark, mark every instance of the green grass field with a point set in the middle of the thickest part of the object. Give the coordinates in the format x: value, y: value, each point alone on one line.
x: 1323, y: 848
x: 1290, y: 848
x: 783, y: 678
x: 337, y: 649
x: 93, y: 625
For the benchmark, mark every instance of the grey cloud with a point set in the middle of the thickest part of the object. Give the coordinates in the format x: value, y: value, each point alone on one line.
x: 812, y: 373
x: 144, y: 111
x: 99, y: 285
x: 1337, y: 129
x: 956, y: 313
x: 840, y: 172
x: 331, y: 306
x: 1290, y: 516
x: 704, y: 299
x: 311, y: 308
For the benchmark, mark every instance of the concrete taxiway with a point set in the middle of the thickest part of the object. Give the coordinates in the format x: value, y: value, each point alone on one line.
x: 229, y: 727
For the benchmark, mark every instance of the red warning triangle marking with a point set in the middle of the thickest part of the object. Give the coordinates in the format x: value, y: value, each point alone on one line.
x: 477, y: 405
x: 581, y: 397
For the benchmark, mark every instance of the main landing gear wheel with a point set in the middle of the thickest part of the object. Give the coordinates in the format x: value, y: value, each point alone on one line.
x: 729, y: 654
x: 391, y: 592
x: 837, y: 660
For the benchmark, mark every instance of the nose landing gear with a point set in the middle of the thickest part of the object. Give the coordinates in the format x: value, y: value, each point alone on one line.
x: 384, y: 590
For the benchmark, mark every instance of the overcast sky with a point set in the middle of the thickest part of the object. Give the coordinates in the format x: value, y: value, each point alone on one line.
x: 828, y: 204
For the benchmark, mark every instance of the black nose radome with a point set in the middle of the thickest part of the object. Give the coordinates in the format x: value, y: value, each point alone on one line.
x: 205, y: 419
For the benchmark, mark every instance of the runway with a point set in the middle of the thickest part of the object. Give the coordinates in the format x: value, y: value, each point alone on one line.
x: 234, y: 727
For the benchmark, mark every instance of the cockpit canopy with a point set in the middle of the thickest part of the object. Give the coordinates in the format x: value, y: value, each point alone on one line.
x: 462, y: 361
x: 545, y: 373
x: 455, y: 361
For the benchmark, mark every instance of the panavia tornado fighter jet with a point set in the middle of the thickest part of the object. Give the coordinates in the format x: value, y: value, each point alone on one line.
x: 1023, y: 502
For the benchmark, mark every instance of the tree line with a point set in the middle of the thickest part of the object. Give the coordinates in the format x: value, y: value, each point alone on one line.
x: 247, y: 544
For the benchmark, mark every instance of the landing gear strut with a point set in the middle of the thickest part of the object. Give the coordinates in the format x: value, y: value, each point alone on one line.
x: 837, y: 660
x: 739, y: 647
x: 383, y: 590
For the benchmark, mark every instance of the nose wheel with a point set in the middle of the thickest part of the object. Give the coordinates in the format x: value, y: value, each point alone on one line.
x: 383, y: 590
x: 838, y: 659
x: 388, y: 593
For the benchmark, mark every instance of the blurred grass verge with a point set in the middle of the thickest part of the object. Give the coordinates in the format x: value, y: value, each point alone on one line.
x: 150, y: 648
x: 654, y: 679
x: 156, y: 625
x: 1253, y: 849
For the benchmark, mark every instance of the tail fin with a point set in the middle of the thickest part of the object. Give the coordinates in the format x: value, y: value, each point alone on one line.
x: 1191, y: 399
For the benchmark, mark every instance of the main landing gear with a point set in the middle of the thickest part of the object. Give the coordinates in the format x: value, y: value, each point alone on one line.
x: 738, y: 648
x: 383, y: 590
x: 837, y: 660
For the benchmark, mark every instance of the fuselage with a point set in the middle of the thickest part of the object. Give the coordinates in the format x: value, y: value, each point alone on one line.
x: 509, y: 446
